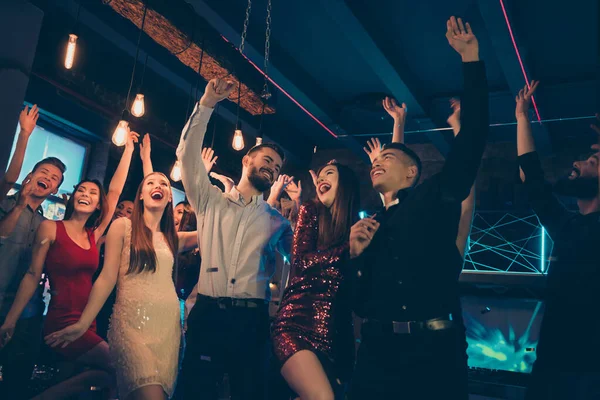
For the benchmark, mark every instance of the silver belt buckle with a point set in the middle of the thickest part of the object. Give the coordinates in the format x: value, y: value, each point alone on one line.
x: 401, y: 327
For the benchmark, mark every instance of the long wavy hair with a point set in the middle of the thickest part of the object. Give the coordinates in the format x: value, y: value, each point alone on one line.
x: 188, y: 221
x: 97, y: 216
x: 142, y: 256
x: 335, y: 222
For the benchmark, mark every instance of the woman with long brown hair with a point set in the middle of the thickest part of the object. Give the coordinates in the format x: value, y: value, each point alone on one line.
x: 312, y: 332
x: 145, y: 326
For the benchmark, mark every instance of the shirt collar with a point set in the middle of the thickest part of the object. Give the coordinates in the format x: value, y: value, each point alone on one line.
x: 237, y: 196
x: 15, y: 197
x: 400, y: 196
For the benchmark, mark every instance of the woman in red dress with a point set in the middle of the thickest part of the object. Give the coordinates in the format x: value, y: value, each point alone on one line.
x: 312, y: 332
x: 68, y: 249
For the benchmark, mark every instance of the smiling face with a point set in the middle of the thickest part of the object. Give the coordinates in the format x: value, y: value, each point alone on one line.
x: 585, y: 168
x: 178, y: 214
x: 582, y: 181
x: 124, y: 209
x: 392, y: 171
x: 46, y: 179
x: 86, y: 198
x: 262, y: 168
x: 327, y: 185
x: 156, y: 191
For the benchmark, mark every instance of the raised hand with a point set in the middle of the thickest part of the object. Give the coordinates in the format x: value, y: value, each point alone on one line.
x: 227, y: 182
x: 461, y: 38
x: 216, y: 90
x: 28, y: 119
x: 65, y: 336
x: 145, y: 147
x: 132, y: 138
x: 373, y: 151
x: 208, y: 158
x: 454, y: 119
x: 523, y: 100
x: 394, y: 110
x: 27, y: 189
x: 361, y: 235
x: 294, y: 191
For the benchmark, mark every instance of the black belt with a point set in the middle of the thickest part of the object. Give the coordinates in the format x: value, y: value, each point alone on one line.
x: 411, y: 327
x: 229, y: 302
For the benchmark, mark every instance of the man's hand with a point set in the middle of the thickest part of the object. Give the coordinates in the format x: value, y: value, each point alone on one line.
x: 28, y: 119
x: 132, y: 138
x: 523, y: 100
x: 454, y: 119
x: 26, y: 192
x: 208, y: 158
x: 361, y: 235
x: 374, y: 149
x: 462, y: 39
x: 398, y: 113
x: 145, y: 147
x: 294, y: 191
x: 216, y: 90
x: 280, y: 184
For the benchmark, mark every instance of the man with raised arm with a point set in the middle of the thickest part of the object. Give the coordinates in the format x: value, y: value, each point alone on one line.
x: 568, y: 350
x: 406, y: 261
x: 228, y: 328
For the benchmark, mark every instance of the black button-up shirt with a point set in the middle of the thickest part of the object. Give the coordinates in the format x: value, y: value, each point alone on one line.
x: 571, y: 326
x: 410, y: 270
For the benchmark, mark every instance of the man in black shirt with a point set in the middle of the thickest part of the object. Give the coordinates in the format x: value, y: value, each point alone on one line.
x: 406, y: 264
x: 568, y: 352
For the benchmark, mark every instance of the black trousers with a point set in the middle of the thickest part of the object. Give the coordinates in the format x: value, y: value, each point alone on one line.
x: 232, y: 340
x: 18, y: 358
x: 428, y: 365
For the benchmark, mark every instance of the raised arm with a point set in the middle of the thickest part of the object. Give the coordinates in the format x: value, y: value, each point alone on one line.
x: 27, y: 120
x: 117, y: 182
x: 44, y: 237
x: 525, y: 143
x: 460, y: 168
x: 145, y: 151
x: 398, y: 113
x: 187, y: 240
x: 277, y: 189
x: 194, y: 174
x: 101, y: 289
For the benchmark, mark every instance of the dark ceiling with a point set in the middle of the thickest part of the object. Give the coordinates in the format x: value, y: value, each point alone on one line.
x: 334, y: 60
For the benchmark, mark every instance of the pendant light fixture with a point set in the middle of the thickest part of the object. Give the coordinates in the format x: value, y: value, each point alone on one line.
x: 72, y: 43
x: 238, y: 137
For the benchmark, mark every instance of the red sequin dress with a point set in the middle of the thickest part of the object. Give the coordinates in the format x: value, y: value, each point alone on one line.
x: 315, y: 312
x: 70, y: 269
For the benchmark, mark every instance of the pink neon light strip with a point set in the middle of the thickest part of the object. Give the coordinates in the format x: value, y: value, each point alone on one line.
x: 514, y: 42
x: 289, y: 96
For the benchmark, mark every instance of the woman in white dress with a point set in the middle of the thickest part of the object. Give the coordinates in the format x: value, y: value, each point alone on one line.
x: 145, y: 327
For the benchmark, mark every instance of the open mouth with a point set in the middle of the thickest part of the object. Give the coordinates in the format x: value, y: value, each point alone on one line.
x: 267, y: 174
x: 376, y: 172
x: 42, y: 184
x: 575, y: 173
x: 324, y: 188
x: 83, y: 202
x: 157, y: 195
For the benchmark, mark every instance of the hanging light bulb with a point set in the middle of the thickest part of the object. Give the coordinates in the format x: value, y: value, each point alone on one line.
x: 119, y: 138
x: 258, y: 140
x: 176, y: 172
x: 238, y: 140
x: 138, y: 108
x: 71, y: 47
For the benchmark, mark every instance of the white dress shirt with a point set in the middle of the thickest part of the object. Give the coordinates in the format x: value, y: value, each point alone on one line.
x: 238, y: 237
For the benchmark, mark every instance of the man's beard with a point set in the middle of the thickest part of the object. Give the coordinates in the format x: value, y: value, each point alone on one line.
x: 257, y: 180
x: 580, y: 188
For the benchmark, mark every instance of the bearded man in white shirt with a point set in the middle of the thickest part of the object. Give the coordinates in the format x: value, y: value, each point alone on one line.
x: 228, y: 328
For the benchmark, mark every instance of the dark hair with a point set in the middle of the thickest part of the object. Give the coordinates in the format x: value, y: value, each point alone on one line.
x: 414, y: 158
x: 271, y: 146
x: 57, y: 163
x: 97, y: 216
x: 335, y: 222
x: 188, y: 221
x: 142, y: 256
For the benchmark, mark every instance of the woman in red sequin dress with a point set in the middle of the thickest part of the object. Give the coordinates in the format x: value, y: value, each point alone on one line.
x: 312, y: 332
